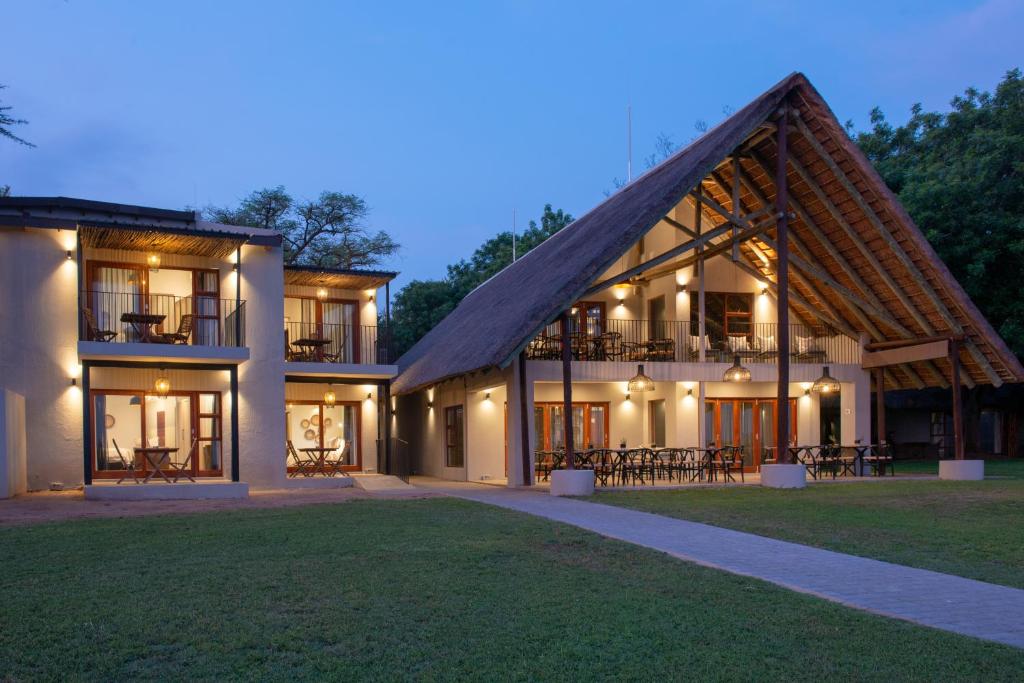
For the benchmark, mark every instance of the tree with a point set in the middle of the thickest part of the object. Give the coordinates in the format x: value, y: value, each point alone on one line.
x: 421, y: 304
x: 960, y: 175
x: 6, y: 121
x: 326, y: 232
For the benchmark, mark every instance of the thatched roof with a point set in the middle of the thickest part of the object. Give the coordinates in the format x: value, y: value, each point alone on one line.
x: 862, y: 261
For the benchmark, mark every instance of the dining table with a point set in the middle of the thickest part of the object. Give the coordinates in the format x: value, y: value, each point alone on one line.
x: 312, y: 347
x: 156, y: 457
x: 143, y: 324
x: 319, y: 456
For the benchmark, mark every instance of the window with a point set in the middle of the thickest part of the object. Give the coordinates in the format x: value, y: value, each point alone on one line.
x: 333, y: 319
x: 313, y: 424
x: 589, y: 425
x: 725, y: 313
x: 941, y: 432
x: 454, y: 450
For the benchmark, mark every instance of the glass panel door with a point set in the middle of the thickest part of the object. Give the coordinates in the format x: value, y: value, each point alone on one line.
x: 577, y: 428
x: 725, y: 436
x: 117, y: 427
x: 340, y: 432
x: 114, y: 291
x: 205, y: 301
x: 339, y: 325
x: 169, y: 424
x: 766, y: 428
x: 746, y: 431
x: 538, y: 426
x: 557, y: 427
x: 598, y: 437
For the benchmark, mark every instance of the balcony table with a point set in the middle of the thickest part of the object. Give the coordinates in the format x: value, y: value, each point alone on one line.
x: 156, y: 456
x: 312, y: 348
x: 143, y: 324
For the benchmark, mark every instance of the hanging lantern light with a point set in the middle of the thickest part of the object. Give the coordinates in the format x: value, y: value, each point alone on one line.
x: 640, y: 382
x: 330, y: 398
x: 826, y: 384
x: 736, y: 373
x: 162, y: 385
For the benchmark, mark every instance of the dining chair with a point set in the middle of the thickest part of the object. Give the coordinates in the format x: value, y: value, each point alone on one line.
x: 183, y: 468
x: 337, y: 464
x: 303, y: 464
x: 127, y: 465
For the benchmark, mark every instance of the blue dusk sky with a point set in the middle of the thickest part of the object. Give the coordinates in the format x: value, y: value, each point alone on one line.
x: 444, y: 116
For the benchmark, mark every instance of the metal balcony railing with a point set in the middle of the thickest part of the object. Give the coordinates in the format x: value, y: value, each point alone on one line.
x: 679, y: 341
x: 121, y: 317
x: 337, y: 343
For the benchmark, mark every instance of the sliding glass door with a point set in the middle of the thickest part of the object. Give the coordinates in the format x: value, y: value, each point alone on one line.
x: 749, y: 423
x: 589, y: 425
x: 314, y: 424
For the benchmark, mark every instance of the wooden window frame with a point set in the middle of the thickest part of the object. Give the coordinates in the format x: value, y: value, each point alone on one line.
x: 460, y: 410
x: 544, y: 440
x: 320, y: 440
x: 318, y: 310
x: 194, y: 416
x: 727, y: 316
x: 758, y: 440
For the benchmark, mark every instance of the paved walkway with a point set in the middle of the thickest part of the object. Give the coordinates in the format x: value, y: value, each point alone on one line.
x: 942, y: 601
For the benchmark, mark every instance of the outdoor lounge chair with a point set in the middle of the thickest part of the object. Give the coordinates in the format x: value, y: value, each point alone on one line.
x: 92, y: 330
x: 183, y: 332
x: 128, y: 465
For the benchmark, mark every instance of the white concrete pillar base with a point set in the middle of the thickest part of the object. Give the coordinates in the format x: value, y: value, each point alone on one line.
x: 962, y: 470
x: 572, y: 483
x: 784, y: 476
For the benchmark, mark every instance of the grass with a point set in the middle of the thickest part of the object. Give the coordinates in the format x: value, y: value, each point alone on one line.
x: 435, y: 589
x: 971, y: 529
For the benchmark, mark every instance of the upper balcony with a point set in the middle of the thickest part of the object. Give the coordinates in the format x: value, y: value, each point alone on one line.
x: 337, y: 343
x: 126, y: 317
x: 679, y: 341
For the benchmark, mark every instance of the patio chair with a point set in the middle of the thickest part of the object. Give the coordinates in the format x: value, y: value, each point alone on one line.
x: 127, y: 465
x: 727, y: 462
x: 184, y: 331
x: 637, y: 464
x: 543, y: 463
x: 880, y: 458
x: 604, y: 466
x: 303, y: 464
x: 183, y: 468
x: 337, y: 465
x: 92, y: 330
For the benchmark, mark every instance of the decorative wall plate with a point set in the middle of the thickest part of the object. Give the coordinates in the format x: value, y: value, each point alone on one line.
x: 108, y: 421
x: 310, y: 435
x: 304, y: 424
x: 328, y: 422
x: 315, y: 420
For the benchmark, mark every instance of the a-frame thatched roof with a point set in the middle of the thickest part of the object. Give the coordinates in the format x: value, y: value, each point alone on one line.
x: 857, y: 259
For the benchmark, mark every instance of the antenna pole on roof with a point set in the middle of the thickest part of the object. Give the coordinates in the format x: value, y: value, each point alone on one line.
x: 629, y: 143
x: 513, y: 235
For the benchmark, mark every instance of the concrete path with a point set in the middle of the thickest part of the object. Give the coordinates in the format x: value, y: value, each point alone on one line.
x: 942, y: 601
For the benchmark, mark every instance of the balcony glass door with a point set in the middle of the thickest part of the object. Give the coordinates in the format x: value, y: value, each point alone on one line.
x: 338, y: 323
x: 749, y: 423
x: 113, y: 291
x: 205, y: 301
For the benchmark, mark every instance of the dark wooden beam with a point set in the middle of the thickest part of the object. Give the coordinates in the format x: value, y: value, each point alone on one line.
x: 880, y: 404
x: 679, y: 226
x: 567, y: 390
x: 782, y: 280
x: 958, y: 411
x: 524, y: 422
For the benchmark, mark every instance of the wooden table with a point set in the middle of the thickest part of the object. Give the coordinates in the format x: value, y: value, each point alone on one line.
x: 156, y: 457
x: 143, y: 324
x: 320, y: 456
x: 312, y: 348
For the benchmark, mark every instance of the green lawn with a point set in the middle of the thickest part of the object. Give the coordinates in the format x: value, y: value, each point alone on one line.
x: 434, y: 589
x: 968, y: 528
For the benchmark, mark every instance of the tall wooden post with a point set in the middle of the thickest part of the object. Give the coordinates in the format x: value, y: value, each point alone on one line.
x: 238, y: 297
x: 567, y: 390
x: 701, y: 328
x: 524, y: 424
x: 782, y: 277
x: 880, y: 404
x: 958, y: 410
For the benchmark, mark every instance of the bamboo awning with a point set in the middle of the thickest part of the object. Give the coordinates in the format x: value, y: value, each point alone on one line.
x: 162, y: 240
x: 338, y: 278
x: 858, y: 263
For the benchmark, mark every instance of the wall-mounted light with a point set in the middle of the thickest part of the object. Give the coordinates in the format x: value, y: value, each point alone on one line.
x: 153, y: 260
x: 627, y: 395
x: 369, y: 396
x: 807, y: 392
x: 622, y: 302
x: 430, y: 404
x: 74, y: 381
x: 764, y: 290
x: 68, y: 255
x: 372, y: 298
x: 234, y: 267
x: 487, y: 396
x: 689, y: 392
x: 680, y: 288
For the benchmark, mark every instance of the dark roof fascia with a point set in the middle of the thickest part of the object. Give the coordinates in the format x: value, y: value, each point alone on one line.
x: 50, y: 204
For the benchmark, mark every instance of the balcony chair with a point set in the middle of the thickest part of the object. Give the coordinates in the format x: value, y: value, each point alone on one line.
x: 129, y: 466
x: 92, y: 330
x: 183, y: 333
x: 303, y: 464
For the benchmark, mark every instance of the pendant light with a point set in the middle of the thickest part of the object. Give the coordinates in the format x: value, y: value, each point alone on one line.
x: 640, y: 382
x: 736, y: 373
x: 826, y: 384
x: 330, y: 398
x: 162, y: 385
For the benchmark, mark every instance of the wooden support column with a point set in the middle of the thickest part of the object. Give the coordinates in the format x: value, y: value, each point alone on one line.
x: 233, y: 371
x: 87, y: 424
x: 880, y: 404
x: 567, y: 390
x: 238, y: 297
x: 701, y: 331
x: 524, y: 421
x: 80, y: 268
x: 958, y: 410
x: 782, y: 282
